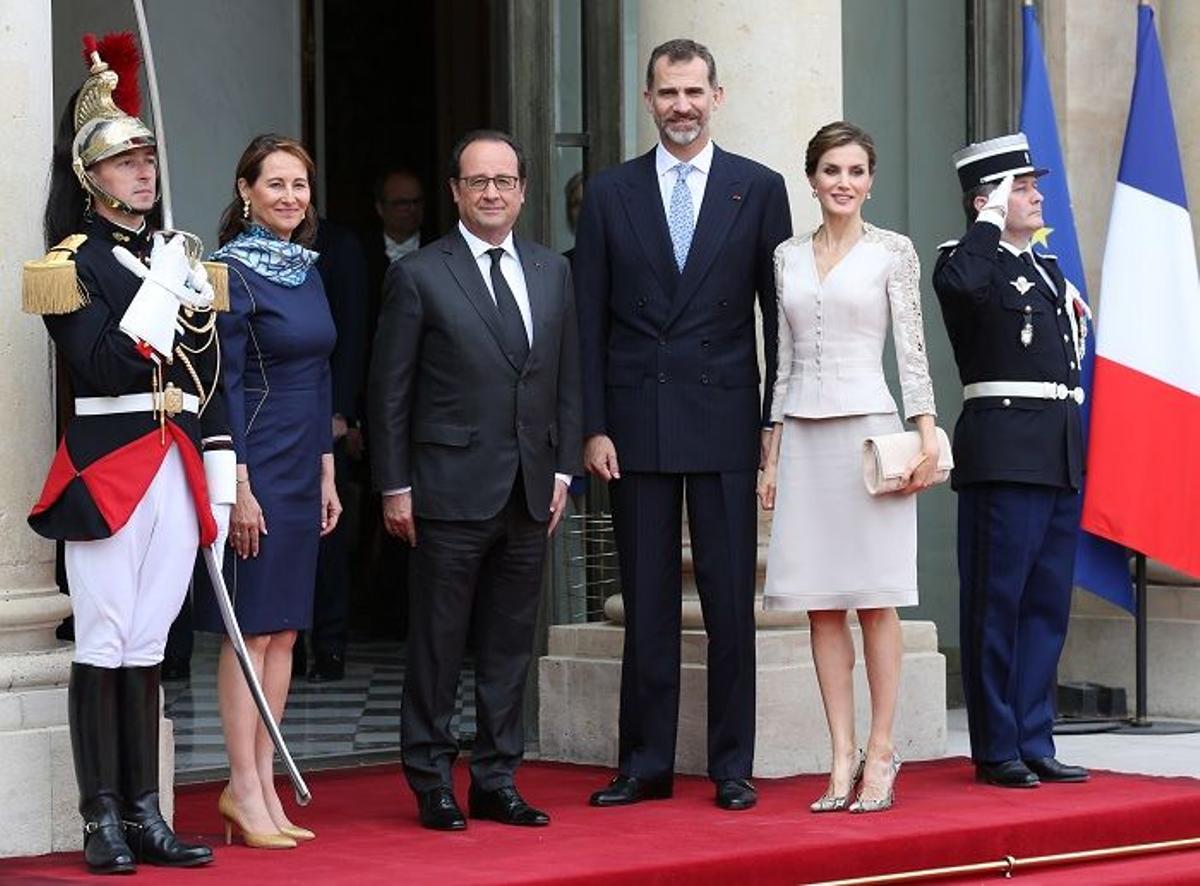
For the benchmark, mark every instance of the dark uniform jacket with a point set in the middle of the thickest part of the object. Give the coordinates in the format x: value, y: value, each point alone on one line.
x: 1009, y: 439
x: 670, y: 359
x: 105, y: 463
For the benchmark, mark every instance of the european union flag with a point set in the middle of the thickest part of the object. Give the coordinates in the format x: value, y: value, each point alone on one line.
x: 1100, y: 566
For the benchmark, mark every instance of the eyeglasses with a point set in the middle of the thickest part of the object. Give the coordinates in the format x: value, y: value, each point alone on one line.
x: 480, y: 182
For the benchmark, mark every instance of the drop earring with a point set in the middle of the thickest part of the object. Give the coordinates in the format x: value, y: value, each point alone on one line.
x: 814, y: 193
x: 868, y: 195
x: 245, y: 209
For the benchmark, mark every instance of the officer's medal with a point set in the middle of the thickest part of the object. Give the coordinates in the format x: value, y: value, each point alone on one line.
x: 1027, y: 329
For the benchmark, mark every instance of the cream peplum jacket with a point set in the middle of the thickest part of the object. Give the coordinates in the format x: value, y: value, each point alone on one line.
x: 831, y: 332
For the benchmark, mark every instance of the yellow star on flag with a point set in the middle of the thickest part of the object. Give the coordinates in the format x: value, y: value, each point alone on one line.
x: 1042, y: 237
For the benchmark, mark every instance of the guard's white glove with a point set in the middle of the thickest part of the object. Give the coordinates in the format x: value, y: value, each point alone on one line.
x: 170, y: 270
x: 995, y: 210
x: 221, y: 513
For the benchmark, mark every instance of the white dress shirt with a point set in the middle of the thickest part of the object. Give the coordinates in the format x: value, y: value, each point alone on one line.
x: 396, y: 250
x: 514, y: 276
x: 665, y: 162
x: 510, y: 267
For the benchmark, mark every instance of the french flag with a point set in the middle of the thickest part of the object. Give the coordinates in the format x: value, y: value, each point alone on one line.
x: 1143, y: 481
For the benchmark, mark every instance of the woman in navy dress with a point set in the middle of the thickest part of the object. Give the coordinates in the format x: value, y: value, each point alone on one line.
x: 276, y: 341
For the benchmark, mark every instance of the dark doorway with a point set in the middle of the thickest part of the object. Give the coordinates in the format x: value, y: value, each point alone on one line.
x: 402, y: 81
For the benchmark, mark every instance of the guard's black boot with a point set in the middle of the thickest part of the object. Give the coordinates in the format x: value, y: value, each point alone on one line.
x: 149, y: 835
x: 92, y: 714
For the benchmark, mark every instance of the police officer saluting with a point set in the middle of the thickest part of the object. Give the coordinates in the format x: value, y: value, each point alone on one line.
x: 1018, y: 329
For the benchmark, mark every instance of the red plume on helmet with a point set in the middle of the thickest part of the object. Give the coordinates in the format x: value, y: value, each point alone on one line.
x: 120, y: 52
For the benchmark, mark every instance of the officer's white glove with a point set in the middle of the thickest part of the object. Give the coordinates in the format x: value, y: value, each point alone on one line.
x: 996, y: 209
x: 199, y: 286
x: 220, y: 514
x: 152, y: 314
x: 171, y: 270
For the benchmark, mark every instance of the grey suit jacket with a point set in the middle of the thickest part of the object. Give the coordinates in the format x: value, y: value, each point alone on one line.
x: 450, y: 414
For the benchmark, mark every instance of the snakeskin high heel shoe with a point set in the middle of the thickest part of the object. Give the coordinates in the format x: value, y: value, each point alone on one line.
x: 881, y: 803
x: 830, y: 802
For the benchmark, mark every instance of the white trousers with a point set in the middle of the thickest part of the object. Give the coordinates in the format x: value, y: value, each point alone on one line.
x: 128, y: 588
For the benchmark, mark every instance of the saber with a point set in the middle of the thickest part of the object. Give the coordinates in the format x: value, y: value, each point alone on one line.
x: 195, y: 247
x: 303, y: 795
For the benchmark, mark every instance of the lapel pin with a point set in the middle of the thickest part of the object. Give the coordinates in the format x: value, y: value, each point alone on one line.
x: 737, y: 197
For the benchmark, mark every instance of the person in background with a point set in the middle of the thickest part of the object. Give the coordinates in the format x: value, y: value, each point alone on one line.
x: 344, y: 275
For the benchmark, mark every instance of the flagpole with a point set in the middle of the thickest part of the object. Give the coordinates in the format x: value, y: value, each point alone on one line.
x: 1141, y: 619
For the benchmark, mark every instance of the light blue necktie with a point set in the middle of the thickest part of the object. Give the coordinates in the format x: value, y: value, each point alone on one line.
x: 681, y: 219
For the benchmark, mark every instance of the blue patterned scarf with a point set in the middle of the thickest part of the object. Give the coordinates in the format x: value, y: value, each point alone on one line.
x: 280, y: 261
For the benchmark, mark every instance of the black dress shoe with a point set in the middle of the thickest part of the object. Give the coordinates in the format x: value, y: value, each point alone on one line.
x: 506, y: 806
x: 735, y: 794
x: 1007, y: 774
x: 439, y: 811
x: 1049, y: 769
x: 328, y: 668
x: 626, y: 789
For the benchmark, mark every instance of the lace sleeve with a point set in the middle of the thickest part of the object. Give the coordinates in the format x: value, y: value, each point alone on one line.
x: 783, y: 370
x: 904, y: 298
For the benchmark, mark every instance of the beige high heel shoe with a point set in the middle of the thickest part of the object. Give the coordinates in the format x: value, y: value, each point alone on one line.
x: 882, y: 803
x: 829, y: 802
x: 297, y: 833
x: 229, y: 812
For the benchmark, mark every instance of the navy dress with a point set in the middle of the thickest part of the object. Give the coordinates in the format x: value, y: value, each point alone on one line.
x: 275, y: 347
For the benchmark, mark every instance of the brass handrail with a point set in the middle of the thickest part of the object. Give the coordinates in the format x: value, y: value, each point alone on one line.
x: 1010, y: 865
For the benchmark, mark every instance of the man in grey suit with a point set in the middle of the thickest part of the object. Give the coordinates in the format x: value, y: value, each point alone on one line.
x: 474, y: 403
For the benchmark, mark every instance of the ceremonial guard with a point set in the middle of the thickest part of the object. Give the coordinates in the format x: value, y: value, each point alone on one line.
x: 1019, y: 331
x: 145, y: 470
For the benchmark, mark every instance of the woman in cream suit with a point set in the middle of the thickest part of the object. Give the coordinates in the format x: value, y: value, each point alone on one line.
x: 834, y: 547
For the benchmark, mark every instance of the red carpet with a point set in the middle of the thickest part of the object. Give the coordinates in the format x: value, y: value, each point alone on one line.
x: 368, y: 834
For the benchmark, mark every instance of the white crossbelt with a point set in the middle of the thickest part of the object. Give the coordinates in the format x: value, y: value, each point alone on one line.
x: 1038, y: 390
x: 130, y: 403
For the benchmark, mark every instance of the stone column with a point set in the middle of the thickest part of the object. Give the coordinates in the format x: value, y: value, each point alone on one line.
x: 37, y: 786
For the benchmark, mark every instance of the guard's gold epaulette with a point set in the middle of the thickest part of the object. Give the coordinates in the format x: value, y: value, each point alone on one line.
x: 218, y: 277
x: 50, y: 285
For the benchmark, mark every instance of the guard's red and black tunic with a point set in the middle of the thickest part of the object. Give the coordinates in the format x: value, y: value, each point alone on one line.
x: 107, y: 459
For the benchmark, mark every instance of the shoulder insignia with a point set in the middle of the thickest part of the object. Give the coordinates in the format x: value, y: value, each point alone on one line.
x: 49, y: 285
x: 948, y: 244
x: 218, y: 276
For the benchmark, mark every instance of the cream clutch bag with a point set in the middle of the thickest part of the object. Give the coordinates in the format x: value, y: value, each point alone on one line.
x: 885, y: 457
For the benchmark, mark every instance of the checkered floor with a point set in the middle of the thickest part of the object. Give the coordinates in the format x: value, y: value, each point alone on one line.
x: 355, y: 716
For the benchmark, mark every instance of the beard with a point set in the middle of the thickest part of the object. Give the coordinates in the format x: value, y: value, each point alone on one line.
x: 690, y: 131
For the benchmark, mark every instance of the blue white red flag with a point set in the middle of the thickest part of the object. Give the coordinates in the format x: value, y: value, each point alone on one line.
x: 1143, y: 465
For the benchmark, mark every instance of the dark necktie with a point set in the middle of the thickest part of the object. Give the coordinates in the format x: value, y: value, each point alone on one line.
x: 516, y: 340
x: 1028, y: 259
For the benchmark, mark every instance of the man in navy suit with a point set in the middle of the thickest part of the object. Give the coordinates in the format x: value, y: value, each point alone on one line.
x: 672, y: 249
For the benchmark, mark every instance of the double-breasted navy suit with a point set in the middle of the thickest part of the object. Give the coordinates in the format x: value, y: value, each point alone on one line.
x: 671, y: 375
x: 1018, y: 471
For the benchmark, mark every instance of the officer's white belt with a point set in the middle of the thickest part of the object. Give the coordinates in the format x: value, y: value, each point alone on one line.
x: 130, y: 403
x: 1037, y: 390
